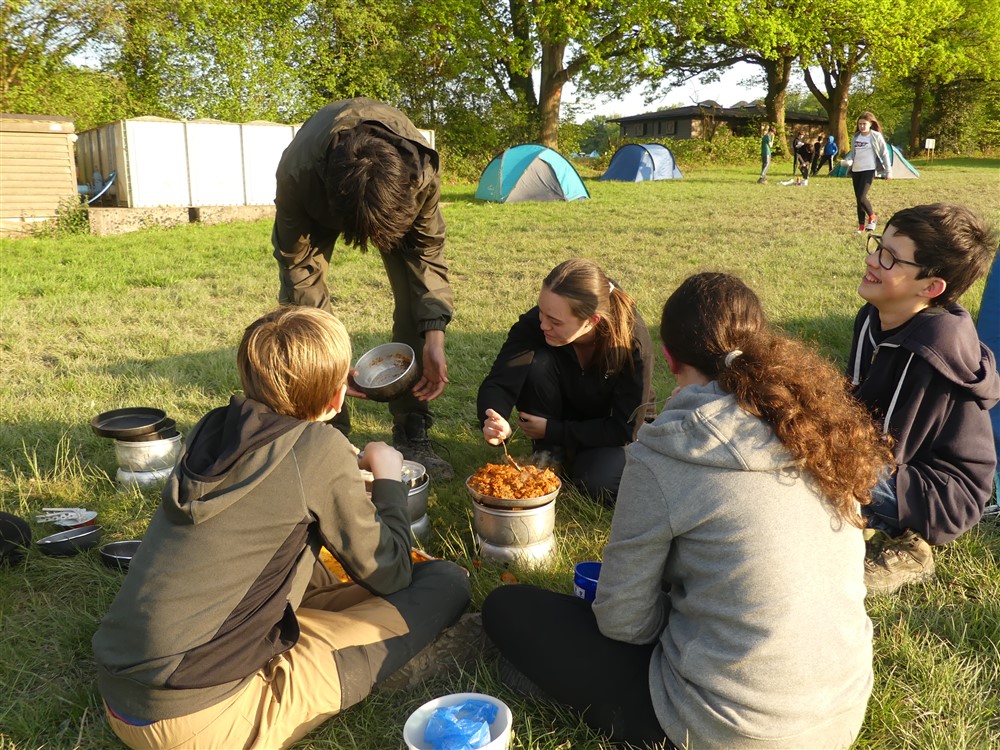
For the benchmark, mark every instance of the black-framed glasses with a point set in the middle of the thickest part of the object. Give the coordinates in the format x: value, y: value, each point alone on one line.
x: 886, y: 259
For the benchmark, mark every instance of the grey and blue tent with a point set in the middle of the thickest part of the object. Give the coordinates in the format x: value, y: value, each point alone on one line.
x: 530, y: 172
x: 637, y: 162
x: 899, y: 167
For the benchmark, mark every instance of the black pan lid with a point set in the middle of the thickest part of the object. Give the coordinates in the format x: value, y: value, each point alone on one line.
x: 124, y: 424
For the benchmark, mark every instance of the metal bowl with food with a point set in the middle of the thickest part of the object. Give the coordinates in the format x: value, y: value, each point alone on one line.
x: 385, y: 372
x: 502, y: 486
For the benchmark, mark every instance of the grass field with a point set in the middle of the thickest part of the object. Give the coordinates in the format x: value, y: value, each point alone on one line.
x: 153, y: 318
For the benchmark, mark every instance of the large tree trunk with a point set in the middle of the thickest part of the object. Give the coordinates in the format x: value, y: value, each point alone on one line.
x: 777, y: 73
x: 837, y: 83
x: 915, y: 115
x: 550, y: 92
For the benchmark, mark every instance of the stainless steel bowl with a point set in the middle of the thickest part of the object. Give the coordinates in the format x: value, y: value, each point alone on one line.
x: 514, y: 528
x: 386, y: 372
x: 129, y: 479
x: 70, y: 542
x: 148, y: 455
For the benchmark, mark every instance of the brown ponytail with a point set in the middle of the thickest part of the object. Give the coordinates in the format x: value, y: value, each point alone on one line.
x: 780, y: 380
x: 588, y: 290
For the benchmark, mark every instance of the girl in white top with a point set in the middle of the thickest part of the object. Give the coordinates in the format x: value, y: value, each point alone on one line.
x: 867, y: 159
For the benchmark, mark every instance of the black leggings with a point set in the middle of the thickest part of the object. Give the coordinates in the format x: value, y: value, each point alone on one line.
x: 553, y: 639
x: 862, y: 184
x: 828, y: 160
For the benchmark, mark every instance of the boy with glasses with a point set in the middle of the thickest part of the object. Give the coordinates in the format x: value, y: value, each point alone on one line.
x: 917, y: 363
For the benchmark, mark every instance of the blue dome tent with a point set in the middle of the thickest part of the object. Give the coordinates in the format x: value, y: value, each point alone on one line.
x: 637, y: 162
x: 988, y: 326
x: 530, y: 172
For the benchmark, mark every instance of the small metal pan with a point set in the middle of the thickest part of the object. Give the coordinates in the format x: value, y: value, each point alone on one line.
x: 522, y: 504
x: 125, y: 424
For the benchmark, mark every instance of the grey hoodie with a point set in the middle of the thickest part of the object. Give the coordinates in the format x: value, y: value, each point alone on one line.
x: 763, y: 637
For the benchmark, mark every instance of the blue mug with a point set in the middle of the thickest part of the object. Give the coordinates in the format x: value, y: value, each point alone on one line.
x: 585, y: 575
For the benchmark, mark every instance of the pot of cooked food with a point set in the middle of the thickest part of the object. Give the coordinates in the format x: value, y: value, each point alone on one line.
x: 385, y: 372
x: 503, y: 486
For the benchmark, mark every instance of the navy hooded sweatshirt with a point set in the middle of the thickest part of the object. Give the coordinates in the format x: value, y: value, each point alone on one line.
x: 931, y: 383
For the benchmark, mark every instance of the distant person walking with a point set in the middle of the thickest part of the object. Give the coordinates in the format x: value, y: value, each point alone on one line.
x: 766, y: 148
x: 867, y: 159
x: 830, y: 150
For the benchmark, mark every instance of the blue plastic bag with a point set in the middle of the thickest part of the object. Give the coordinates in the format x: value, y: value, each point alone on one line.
x: 464, y: 726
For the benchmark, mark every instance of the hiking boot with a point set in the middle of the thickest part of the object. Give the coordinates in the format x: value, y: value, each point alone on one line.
x: 905, y: 559
x: 454, y: 649
x: 409, y: 437
x: 861, y: 228
x: 870, y: 226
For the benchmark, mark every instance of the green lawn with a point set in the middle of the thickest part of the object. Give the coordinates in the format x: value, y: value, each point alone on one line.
x: 152, y: 318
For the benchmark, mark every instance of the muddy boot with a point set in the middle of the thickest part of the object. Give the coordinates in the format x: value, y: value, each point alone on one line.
x: 905, y: 559
x: 409, y: 437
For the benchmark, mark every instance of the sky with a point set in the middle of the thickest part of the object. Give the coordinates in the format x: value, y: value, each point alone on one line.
x: 736, y: 84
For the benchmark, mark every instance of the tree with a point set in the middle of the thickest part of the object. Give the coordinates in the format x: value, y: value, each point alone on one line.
x: 884, y: 35
x: 39, y: 39
x: 601, y: 45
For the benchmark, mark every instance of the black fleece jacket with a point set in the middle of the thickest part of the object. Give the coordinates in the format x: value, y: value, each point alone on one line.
x: 931, y: 383
x: 598, y: 409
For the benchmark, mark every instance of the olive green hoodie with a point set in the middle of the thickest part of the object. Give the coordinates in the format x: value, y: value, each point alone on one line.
x: 211, y: 594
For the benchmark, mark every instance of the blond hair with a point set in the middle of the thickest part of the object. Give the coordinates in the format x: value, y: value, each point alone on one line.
x: 588, y: 290
x: 294, y: 360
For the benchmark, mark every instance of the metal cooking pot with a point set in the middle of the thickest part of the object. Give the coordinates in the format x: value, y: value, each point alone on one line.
x: 416, y: 499
x: 499, y: 502
x: 514, y: 528
x: 148, y: 455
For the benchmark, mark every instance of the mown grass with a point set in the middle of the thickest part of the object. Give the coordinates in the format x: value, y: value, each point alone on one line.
x: 153, y: 318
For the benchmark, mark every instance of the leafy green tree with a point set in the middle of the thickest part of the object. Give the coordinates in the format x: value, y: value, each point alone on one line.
x: 884, y: 35
x: 38, y: 42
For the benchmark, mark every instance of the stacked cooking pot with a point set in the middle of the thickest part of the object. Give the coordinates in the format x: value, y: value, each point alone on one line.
x: 147, y: 443
x: 518, y: 531
x: 418, y: 483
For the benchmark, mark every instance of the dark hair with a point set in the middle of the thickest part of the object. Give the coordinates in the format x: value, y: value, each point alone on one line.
x: 952, y: 243
x: 369, y: 190
x: 872, y: 119
x: 588, y: 290
x: 800, y: 395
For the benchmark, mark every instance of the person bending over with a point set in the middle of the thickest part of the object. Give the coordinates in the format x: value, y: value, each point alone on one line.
x: 360, y: 170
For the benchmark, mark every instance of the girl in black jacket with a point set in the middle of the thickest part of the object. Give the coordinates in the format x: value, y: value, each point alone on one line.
x: 578, y: 368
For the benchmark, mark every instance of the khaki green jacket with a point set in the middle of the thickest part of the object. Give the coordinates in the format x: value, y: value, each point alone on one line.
x: 307, y: 223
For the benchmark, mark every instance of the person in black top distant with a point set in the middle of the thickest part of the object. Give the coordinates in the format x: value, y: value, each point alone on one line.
x: 804, y: 157
x: 817, y: 154
x: 578, y: 369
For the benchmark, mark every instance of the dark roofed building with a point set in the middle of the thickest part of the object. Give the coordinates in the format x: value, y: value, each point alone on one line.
x: 702, y: 119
